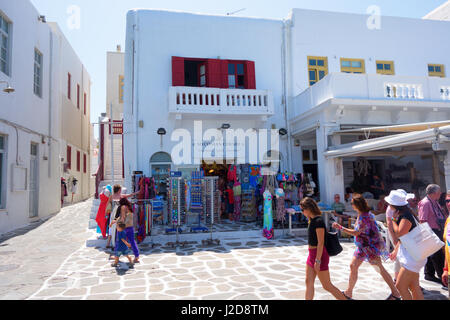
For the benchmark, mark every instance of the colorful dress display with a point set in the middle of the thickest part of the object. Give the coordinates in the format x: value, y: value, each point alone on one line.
x: 268, y: 231
x: 101, y: 213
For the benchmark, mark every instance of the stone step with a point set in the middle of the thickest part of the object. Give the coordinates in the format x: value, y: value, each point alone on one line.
x: 92, y: 224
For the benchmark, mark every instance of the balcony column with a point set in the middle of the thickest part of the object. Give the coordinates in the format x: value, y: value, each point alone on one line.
x: 331, y: 175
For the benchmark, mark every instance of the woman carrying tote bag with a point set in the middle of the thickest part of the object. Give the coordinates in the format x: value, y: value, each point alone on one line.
x: 404, y: 226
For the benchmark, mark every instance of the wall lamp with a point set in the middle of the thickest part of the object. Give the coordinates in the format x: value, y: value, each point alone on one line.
x: 8, y: 88
x: 283, y: 132
x: 225, y: 126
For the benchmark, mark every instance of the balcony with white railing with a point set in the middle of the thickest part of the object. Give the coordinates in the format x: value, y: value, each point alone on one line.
x: 192, y: 100
x: 374, y: 89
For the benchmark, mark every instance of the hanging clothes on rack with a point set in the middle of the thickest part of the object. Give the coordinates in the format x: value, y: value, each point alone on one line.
x: 268, y: 231
x: 281, y: 208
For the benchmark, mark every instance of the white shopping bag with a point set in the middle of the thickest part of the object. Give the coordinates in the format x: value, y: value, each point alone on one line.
x: 421, y: 242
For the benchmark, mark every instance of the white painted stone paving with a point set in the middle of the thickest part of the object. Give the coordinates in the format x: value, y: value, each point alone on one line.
x: 76, y: 267
x: 238, y: 269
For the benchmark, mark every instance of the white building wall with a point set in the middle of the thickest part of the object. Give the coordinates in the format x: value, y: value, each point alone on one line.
x: 74, y: 129
x: 159, y: 35
x: 411, y: 43
x: 440, y: 13
x: 29, y: 111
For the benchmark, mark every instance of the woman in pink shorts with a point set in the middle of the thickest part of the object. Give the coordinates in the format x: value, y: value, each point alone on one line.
x: 318, y: 259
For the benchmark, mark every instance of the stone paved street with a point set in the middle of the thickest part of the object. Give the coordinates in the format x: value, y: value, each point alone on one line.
x: 61, y: 259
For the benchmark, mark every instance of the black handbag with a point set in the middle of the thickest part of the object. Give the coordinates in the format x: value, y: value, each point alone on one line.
x: 332, y: 244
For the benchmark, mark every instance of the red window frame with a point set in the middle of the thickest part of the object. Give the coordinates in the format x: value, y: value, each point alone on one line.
x: 84, y: 163
x: 85, y: 97
x: 78, y: 96
x: 236, y: 74
x: 69, y: 86
x: 216, y: 72
x: 69, y: 157
x: 78, y: 161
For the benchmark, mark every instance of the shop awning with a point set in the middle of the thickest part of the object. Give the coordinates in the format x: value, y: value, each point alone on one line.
x: 398, y: 128
x: 393, y: 141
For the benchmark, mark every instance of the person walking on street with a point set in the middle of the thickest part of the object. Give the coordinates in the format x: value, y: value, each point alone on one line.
x: 318, y: 259
x: 431, y: 212
x: 403, y: 222
x: 370, y: 246
x: 126, y: 216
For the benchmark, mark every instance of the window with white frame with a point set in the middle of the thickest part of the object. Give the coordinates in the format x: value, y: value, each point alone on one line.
x: 2, y: 170
x: 5, y: 32
x: 37, y: 73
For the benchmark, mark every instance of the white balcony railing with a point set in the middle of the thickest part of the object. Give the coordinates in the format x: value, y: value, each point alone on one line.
x: 220, y: 101
x: 371, y: 87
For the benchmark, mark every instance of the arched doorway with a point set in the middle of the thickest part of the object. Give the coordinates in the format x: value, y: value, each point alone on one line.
x: 160, y: 166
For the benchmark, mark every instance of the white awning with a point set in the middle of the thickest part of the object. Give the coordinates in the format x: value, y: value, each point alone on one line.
x: 398, y: 140
x: 398, y: 128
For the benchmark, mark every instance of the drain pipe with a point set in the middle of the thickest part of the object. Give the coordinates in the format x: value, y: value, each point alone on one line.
x: 286, y: 25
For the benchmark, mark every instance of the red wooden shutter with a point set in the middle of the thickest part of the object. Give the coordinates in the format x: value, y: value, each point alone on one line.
x: 84, y: 163
x: 224, y: 74
x: 213, y: 73
x: 69, y: 83
x: 178, y: 72
x: 85, y: 103
x: 69, y: 157
x: 78, y: 161
x: 78, y: 96
x: 250, y: 78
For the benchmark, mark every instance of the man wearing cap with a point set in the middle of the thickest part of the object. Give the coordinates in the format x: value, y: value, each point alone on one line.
x: 431, y: 212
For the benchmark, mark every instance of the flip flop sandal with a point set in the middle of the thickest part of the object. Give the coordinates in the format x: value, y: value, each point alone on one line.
x: 347, y: 297
x: 392, y: 297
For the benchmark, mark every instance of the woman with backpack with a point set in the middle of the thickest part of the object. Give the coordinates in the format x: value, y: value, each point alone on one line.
x: 318, y: 259
x: 370, y: 246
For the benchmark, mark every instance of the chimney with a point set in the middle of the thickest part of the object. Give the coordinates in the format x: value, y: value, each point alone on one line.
x: 119, y: 48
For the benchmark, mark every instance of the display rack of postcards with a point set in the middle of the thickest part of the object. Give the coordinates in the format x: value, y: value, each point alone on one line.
x: 248, y: 206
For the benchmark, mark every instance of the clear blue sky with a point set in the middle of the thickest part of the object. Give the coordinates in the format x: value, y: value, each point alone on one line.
x: 103, y: 23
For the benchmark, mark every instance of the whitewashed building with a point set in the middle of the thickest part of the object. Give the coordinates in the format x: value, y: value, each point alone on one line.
x: 323, y: 76
x: 33, y: 119
x: 214, y: 69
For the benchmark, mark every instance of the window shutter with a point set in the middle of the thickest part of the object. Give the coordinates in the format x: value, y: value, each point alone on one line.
x: 213, y: 73
x: 250, y: 79
x: 224, y: 74
x: 178, y: 72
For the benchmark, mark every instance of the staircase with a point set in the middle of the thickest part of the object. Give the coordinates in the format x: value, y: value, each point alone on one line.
x: 117, y: 154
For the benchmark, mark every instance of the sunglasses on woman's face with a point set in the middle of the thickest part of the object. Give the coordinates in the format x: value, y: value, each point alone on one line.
x: 447, y: 200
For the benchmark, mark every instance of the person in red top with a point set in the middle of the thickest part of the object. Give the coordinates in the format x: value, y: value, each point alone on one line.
x: 229, y: 194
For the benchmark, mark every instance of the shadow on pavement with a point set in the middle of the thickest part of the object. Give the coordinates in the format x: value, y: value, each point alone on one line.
x: 23, y: 231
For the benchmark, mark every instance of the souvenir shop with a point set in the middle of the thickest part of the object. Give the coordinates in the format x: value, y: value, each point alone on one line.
x: 218, y: 194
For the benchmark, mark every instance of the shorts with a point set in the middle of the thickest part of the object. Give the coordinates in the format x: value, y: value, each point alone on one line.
x: 122, y: 253
x: 324, y: 261
x: 407, y: 262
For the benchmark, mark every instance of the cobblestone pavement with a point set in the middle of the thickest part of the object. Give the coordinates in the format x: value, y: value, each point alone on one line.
x: 237, y: 269
x: 32, y: 254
